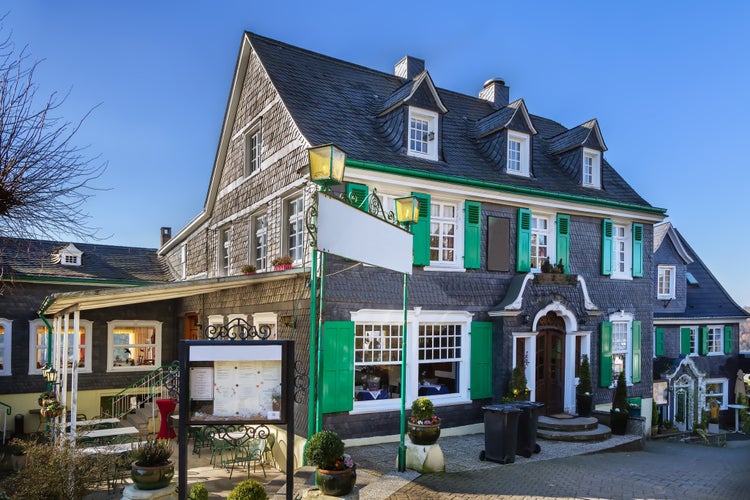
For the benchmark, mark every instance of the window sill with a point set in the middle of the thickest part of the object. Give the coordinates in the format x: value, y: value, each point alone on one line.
x: 451, y: 269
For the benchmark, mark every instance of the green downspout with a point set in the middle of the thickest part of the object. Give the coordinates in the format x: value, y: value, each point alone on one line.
x: 47, y: 302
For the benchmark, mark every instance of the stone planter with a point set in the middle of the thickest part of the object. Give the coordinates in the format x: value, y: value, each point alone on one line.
x: 336, y: 483
x: 151, y: 477
x: 423, y: 434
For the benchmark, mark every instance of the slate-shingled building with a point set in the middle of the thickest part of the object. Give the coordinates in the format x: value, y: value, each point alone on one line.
x: 501, y: 190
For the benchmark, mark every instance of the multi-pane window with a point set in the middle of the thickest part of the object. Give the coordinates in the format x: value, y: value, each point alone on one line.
x: 260, y: 242
x: 619, y: 241
x: 716, y: 339
x: 619, y: 347
x: 716, y: 390
x: 252, y: 152
x: 514, y: 155
x: 539, y: 241
x: 666, y: 283
x: 134, y: 345
x: 418, y: 134
x: 588, y: 170
x: 377, y: 361
x: 442, y: 232
x: 295, y: 228
x: 693, y: 339
x: 183, y: 262
x: 40, y: 337
x: 225, y: 251
x: 5, y: 331
x: 439, y: 351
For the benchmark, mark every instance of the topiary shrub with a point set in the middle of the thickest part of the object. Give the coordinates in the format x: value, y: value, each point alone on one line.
x: 584, y: 376
x: 198, y: 492
x: 620, y: 400
x: 324, y: 449
x: 248, y: 490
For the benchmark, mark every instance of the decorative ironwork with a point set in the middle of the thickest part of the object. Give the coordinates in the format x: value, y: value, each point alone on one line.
x: 301, y: 382
x: 233, y: 434
x: 237, y: 329
x: 371, y: 204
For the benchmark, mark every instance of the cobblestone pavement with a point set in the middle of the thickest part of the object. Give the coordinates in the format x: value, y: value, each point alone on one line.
x: 663, y: 470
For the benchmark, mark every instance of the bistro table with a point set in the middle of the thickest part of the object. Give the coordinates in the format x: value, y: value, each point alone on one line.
x: 107, y: 433
x: 737, y: 416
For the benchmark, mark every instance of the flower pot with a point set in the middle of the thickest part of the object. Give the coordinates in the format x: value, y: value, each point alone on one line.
x: 282, y: 267
x: 336, y: 483
x: 618, y: 422
x: 584, y: 403
x: 151, y: 477
x: 47, y: 413
x: 423, y: 434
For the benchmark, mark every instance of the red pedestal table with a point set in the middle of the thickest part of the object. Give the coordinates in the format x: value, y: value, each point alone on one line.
x: 166, y: 406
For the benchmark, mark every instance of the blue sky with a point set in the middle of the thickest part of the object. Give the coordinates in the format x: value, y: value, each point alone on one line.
x: 668, y: 82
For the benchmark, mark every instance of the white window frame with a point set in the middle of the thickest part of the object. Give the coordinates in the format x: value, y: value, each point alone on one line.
x: 266, y: 318
x: 183, y: 261
x: 536, y: 232
x: 224, y: 251
x: 694, y: 347
x: 252, y: 141
x: 523, y: 162
x: 71, y: 256
x: 138, y: 323
x: 443, y: 223
x: 6, y: 344
x: 624, y: 320
x: 715, y: 332
x: 622, y: 241
x: 85, y: 325
x: 430, y: 137
x: 258, y: 248
x: 414, y: 319
x: 591, y: 158
x: 666, y: 276
x: 297, y: 251
x: 708, y: 396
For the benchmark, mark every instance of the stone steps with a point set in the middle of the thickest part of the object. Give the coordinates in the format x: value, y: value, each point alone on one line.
x: 576, y: 429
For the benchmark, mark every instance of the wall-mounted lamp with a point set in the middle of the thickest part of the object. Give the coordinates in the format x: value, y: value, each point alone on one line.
x: 51, y: 375
x: 326, y: 165
x: 526, y: 318
x: 288, y: 320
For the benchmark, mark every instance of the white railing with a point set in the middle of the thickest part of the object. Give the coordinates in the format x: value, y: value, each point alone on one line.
x: 8, y: 411
x: 160, y: 383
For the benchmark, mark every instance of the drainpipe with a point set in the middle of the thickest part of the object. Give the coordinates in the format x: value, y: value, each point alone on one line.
x: 47, y: 302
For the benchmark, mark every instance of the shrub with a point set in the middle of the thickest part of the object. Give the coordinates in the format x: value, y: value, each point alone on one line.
x: 248, y: 489
x: 198, y: 492
x: 324, y: 449
x: 584, y: 376
x: 422, y: 409
x: 517, y: 390
x: 152, y: 452
x: 620, y: 400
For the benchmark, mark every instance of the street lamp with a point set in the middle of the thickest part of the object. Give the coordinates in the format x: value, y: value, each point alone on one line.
x: 51, y: 375
x: 407, y: 213
x: 327, y: 163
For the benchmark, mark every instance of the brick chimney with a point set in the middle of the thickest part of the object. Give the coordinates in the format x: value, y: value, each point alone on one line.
x: 495, y: 92
x: 408, y: 67
x: 166, y: 235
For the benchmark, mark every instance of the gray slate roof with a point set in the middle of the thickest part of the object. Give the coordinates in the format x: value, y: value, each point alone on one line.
x: 35, y: 259
x: 334, y: 101
x: 707, y: 300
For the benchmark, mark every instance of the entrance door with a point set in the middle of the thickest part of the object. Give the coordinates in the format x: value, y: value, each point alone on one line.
x: 192, y: 329
x: 550, y: 363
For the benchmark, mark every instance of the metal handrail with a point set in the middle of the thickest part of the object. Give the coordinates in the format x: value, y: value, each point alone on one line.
x: 8, y: 411
x: 159, y: 383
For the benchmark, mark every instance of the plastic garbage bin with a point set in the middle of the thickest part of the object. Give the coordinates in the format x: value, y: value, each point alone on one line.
x: 500, y: 433
x: 527, y: 425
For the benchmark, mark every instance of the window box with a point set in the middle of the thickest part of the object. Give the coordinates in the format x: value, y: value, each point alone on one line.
x: 555, y: 279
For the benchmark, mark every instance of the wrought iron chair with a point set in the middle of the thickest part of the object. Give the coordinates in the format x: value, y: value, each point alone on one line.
x: 250, y: 450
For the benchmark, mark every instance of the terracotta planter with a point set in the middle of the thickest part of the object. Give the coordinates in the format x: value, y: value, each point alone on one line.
x: 151, y: 477
x: 336, y: 483
x: 423, y: 434
x: 282, y: 267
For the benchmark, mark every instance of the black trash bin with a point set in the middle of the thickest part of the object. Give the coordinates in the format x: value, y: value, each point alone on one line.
x: 500, y: 433
x: 527, y: 425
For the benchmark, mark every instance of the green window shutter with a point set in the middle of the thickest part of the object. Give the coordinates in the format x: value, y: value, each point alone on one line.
x: 703, y: 340
x: 685, y: 340
x: 637, y: 250
x: 727, y: 339
x: 523, y: 241
x: 659, y: 342
x: 607, y: 230
x: 472, y: 234
x: 337, y: 367
x: 357, y: 193
x: 421, y: 231
x: 636, y: 368
x: 563, y: 241
x: 605, y: 358
x: 481, y: 360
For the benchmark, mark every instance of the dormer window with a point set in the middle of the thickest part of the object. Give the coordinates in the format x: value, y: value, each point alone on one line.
x: 70, y: 256
x: 423, y: 133
x: 591, y: 169
x: 518, y: 154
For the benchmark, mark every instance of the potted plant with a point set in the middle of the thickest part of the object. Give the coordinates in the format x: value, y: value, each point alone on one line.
x: 17, y: 454
x: 45, y: 398
x: 282, y: 263
x: 654, y: 418
x: 423, y: 426
x: 248, y: 269
x: 584, y: 390
x: 151, y: 468
x: 336, y: 473
x: 619, y: 413
x: 51, y: 409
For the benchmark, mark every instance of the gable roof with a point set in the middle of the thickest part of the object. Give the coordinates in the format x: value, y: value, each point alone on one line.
x: 585, y: 134
x: 402, y: 95
x: 39, y: 260
x: 501, y: 118
x: 667, y: 230
x: 708, y: 299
